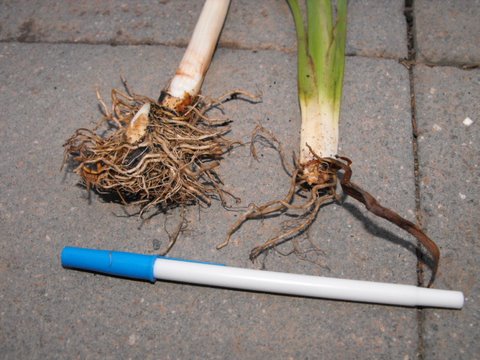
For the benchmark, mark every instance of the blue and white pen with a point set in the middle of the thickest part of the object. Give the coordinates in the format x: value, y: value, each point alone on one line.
x: 152, y: 267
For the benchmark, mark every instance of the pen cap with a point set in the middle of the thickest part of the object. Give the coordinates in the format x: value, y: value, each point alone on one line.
x: 117, y: 263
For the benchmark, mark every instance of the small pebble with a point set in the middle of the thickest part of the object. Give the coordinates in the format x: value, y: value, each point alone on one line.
x: 467, y: 121
x: 132, y: 339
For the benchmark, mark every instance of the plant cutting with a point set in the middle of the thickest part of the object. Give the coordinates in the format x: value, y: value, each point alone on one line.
x: 161, y: 153
x: 321, y: 62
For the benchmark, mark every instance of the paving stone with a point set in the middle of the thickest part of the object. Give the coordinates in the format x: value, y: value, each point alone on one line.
x: 449, y: 152
x: 48, y: 91
x: 447, y: 32
x: 376, y: 28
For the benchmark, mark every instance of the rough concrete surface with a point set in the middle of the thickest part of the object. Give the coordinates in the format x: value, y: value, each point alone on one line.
x: 376, y: 27
x: 448, y: 32
x: 48, y: 77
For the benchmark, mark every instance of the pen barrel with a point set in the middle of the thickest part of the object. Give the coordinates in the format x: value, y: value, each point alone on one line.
x: 150, y: 267
x: 305, y: 285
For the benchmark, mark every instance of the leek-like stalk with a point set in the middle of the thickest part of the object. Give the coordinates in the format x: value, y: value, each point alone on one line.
x: 321, y: 63
x: 189, y: 76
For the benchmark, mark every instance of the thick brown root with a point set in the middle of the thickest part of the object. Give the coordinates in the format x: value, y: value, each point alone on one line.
x: 374, y: 207
x: 151, y: 155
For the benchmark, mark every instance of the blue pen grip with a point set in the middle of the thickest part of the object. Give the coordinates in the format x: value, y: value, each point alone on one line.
x: 117, y: 263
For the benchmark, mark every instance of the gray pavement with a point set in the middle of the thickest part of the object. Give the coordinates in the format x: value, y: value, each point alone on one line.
x: 448, y: 34
x: 52, y: 58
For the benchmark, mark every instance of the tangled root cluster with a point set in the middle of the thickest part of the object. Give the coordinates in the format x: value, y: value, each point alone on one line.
x: 170, y: 159
x: 315, y: 194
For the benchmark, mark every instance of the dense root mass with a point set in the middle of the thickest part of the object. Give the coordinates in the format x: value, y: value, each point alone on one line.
x: 318, y: 179
x: 162, y: 159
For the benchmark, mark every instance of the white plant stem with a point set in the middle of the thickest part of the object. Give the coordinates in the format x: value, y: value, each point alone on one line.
x: 319, y: 129
x: 189, y: 76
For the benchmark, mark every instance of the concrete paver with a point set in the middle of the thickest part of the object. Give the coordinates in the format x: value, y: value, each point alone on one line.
x: 377, y: 28
x: 449, y: 155
x: 447, y: 32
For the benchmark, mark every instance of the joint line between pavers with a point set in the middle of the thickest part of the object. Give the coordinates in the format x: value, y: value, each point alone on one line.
x: 409, y: 12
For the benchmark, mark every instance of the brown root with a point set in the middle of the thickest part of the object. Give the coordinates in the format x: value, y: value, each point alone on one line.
x: 319, y: 195
x: 154, y: 157
x: 319, y: 177
x: 172, y: 237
